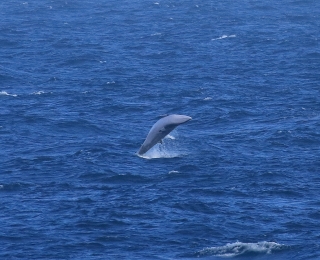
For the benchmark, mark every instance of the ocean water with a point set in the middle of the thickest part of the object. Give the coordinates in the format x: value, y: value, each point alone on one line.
x: 81, y: 84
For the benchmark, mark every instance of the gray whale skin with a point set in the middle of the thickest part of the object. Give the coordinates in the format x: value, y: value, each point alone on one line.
x: 160, y: 129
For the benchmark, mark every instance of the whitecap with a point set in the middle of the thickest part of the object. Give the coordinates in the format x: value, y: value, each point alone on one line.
x: 224, y: 37
x: 38, y: 93
x: 207, y: 98
x: 239, y: 248
x: 173, y: 172
x: 4, y: 93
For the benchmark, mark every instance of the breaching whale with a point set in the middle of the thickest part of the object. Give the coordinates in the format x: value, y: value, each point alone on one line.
x: 160, y: 129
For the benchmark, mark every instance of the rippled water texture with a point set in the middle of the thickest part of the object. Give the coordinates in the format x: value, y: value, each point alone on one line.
x: 82, y: 83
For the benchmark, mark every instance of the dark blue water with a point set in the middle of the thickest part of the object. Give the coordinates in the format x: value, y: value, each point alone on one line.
x: 81, y: 84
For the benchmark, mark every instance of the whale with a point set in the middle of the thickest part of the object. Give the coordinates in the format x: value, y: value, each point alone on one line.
x: 161, y: 129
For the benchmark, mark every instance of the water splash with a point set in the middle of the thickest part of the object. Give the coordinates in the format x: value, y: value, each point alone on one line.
x: 170, y: 137
x: 160, y: 151
x: 170, y: 148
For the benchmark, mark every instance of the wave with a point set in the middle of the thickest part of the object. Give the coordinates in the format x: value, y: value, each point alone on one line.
x: 241, y: 249
x: 224, y: 37
x: 4, y: 93
x: 38, y: 93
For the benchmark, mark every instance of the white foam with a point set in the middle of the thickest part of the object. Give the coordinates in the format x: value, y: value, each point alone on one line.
x: 168, y: 149
x: 170, y: 137
x: 224, y: 37
x: 38, y: 93
x: 160, y: 151
x: 239, y: 248
x: 4, y: 93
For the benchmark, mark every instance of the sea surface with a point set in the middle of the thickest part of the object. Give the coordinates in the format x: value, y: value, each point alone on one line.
x: 81, y: 84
